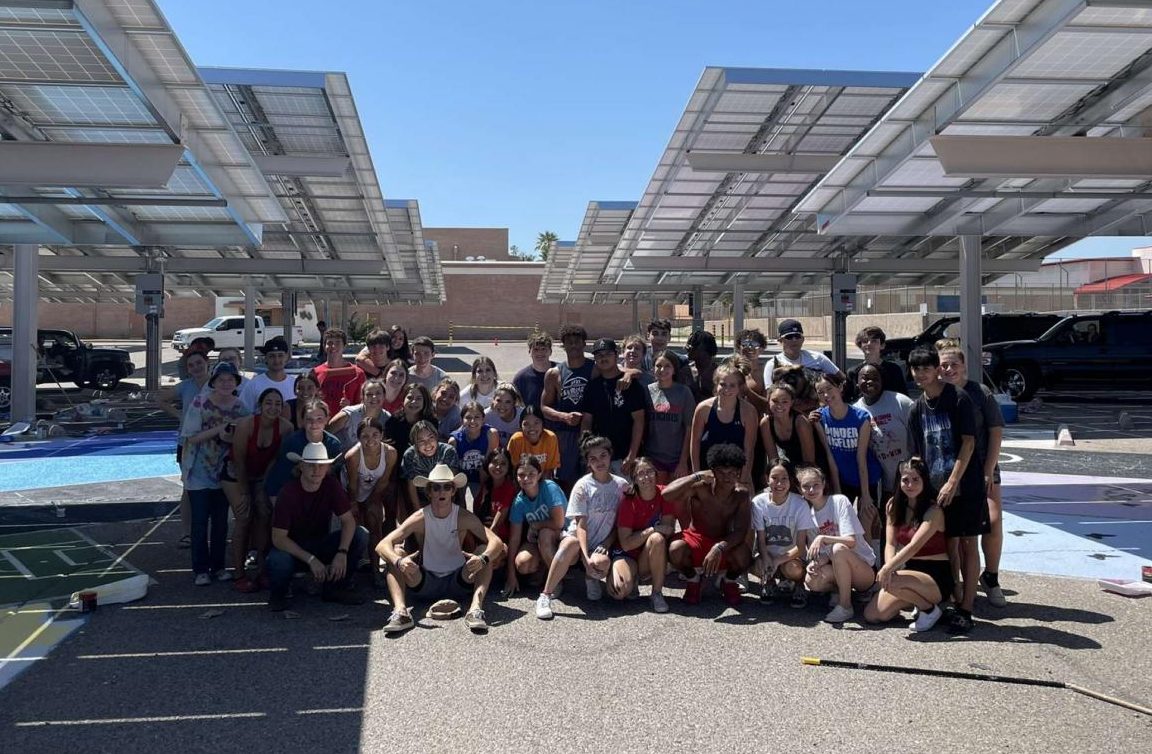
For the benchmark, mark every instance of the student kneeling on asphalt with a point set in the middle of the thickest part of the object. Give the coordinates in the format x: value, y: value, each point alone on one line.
x: 454, y: 557
x: 300, y: 536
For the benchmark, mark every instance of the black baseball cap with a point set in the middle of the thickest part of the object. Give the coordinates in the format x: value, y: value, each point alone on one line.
x: 604, y: 344
x: 790, y: 327
x: 274, y: 344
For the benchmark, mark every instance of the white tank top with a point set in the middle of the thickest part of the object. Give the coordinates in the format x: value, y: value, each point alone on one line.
x: 369, y: 477
x: 441, y: 551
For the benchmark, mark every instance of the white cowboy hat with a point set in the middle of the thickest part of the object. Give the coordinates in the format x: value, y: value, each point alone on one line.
x: 314, y: 452
x: 441, y: 473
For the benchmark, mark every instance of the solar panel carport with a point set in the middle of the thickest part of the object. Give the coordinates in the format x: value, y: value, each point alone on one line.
x: 117, y: 156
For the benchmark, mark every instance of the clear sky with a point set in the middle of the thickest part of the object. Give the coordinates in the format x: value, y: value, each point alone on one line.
x: 517, y: 113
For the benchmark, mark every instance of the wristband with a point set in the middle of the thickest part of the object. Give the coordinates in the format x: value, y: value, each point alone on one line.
x: 722, y: 545
x: 484, y: 557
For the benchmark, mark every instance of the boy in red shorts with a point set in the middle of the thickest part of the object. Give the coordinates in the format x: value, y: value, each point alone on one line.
x: 715, y: 511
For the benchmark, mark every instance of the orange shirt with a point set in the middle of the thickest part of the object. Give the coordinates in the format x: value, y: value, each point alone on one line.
x: 546, y: 451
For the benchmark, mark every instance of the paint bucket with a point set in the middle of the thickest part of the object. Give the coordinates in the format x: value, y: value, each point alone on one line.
x: 1008, y: 408
x: 1146, y: 572
x: 88, y: 602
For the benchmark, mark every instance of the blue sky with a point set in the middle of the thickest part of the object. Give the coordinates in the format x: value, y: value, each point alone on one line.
x: 516, y: 114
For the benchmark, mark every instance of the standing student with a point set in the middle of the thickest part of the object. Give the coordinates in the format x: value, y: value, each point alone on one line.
x: 305, y: 388
x: 635, y: 351
x: 314, y: 422
x: 870, y: 341
x: 368, y: 467
x: 207, y: 431
x: 395, y: 383
x: 591, y: 534
x: 670, y: 410
x: 916, y: 572
x: 563, y: 401
x: 275, y: 358
x: 943, y: 426
x: 989, y: 433
x: 446, y: 407
x: 787, y: 433
x: 423, y: 371
x: 612, y: 410
x: 783, y: 524
x: 255, y: 443
x: 373, y: 357
x: 176, y: 402
x: 417, y: 406
x: 751, y: 344
x: 346, y: 423
x: 891, y: 441
x: 724, y: 419
x: 645, y: 522
x: 845, y: 432
x: 482, y: 388
x: 529, y: 381
x: 339, y: 379
x: 398, y: 347
x: 702, y: 351
x: 791, y: 340
x: 839, y: 556
x: 533, y: 440
x: 504, y: 413
x: 659, y: 333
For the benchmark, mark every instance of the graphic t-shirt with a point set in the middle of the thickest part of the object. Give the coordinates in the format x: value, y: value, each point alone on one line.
x: 843, y: 438
x: 891, y: 439
x: 471, y: 453
x: 781, y: 523
x: 598, y: 502
x: 838, y: 519
x: 938, y: 428
x: 536, y: 510
x: 669, y: 417
x: 339, y: 383
x: 611, y: 411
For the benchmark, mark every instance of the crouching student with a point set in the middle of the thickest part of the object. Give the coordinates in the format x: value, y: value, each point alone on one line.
x: 839, y: 556
x: 535, y: 522
x: 916, y: 571
x: 440, y: 568
x: 645, y: 523
x: 591, y: 530
x: 715, y: 512
x: 783, y: 523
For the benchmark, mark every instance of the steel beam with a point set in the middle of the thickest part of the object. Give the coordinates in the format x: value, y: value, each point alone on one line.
x: 777, y: 264
x: 971, y: 309
x: 25, y: 300
x: 1043, y: 156
x: 736, y: 162
x: 43, y: 163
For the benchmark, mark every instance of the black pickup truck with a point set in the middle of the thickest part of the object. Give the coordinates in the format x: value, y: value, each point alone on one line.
x: 1112, y: 350
x: 994, y: 329
x: 64, y: 357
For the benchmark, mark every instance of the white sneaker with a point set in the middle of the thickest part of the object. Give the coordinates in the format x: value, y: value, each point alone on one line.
x: 223, y: 575
x: 544, y: 607
x: 203, y: 579
x: 659, y: 604
x: 839, y: 614
x: 595, y: 588
x: 925, y: 621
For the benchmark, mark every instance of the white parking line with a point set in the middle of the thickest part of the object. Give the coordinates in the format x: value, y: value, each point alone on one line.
x: 185, y: 653
x: 129, y: 720
x: 343, y: 646
x: 15, y: 561
x: 60, y: 554
x: 200, y: 605
x: 333, y: 711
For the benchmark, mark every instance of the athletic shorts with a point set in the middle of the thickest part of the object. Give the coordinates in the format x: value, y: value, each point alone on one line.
x: 668, y: 467
x: 939, y: 571
x: 571, y: 467
x: 700, y: 546
x: 967, y: 516
x: 450, y: 586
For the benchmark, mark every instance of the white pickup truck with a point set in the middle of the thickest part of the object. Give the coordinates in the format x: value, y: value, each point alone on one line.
x: 228, y: 332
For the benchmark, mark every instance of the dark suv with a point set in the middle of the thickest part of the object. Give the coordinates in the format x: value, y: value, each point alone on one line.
x: 994, y: 329
x: 1091, y: 351
x: 65, y: 358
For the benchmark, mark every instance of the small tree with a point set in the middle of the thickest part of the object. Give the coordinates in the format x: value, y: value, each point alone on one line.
x: 359, y: 329
x: 515, y: 253
x: 544, y: 243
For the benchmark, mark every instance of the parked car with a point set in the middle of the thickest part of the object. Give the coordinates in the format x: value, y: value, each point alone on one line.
x: 1086, y: 351
x: 228, y: 332
x: 995, y: 328
x: 64, y: 357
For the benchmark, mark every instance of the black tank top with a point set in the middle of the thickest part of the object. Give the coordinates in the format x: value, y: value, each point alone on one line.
x: 717, y: 432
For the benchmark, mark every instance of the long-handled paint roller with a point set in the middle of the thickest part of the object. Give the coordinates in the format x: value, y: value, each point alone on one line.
x: 976, y: 677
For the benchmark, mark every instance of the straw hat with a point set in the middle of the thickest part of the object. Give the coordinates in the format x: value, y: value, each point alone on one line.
x: 442, y: 474
x: 314, y: 452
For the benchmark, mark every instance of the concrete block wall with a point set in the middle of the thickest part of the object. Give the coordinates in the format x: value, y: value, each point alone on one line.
x: 104, y: 320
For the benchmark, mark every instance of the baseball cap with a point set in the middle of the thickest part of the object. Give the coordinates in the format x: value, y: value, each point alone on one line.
x: 273, y: 345
x: 790, y: 327
x: 604, y: 344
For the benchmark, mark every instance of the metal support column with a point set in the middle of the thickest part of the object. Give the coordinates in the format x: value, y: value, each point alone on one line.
x: 342, y: 322
x: 250, y: 324
x: 697, y: 309
x: 150, y: 304
x: 25, y: 299
x: 737, y: 309
x: 843, y: 304
x: 635, y: 315
x: 288, y: 309
x: 655, y: 309
x: 971, y: 310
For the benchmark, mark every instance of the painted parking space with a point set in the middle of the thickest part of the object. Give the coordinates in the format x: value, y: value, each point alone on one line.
x: 49, y: 566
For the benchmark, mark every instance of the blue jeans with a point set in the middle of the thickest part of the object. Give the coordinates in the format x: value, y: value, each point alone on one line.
x: 209, y: 529
x: 282, y: 565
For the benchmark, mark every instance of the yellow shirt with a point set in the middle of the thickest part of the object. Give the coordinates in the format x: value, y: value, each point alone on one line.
x: 546, y: 451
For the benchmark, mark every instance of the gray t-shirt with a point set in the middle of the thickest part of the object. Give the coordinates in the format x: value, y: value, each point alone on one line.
x: 988, y: 415
x: 598, y: 502
x: 669, y: 418
x: 891, y: 435
x: 429, y: 382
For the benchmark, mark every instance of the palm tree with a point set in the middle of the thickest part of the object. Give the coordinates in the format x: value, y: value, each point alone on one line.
x: 544, y: 243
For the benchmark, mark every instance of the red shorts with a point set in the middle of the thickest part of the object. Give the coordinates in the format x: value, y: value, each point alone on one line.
x: 700, y: 545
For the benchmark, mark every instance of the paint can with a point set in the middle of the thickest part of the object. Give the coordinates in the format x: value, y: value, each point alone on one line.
x: 87, y: 602
x: 1146, y: 572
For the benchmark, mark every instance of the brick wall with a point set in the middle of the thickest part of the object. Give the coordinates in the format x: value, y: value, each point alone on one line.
x: 109, y: 320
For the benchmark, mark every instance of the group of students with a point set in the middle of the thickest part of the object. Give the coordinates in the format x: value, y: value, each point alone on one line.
x: 634, y: 465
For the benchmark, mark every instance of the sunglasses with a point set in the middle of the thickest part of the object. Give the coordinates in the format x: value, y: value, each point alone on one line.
x: 441, y: 487
x: 792, y: 336
x: 749, y: 344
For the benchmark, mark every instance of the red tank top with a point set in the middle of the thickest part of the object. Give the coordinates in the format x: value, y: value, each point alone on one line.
x: 258, y: 458
x: 934, y: 546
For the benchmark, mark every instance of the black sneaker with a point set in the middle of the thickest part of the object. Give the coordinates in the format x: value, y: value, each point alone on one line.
x: 960, y: 622
x: 278, y: 603
x: 768, y: 593
x: 799, y: 598
x: 343, y: 596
